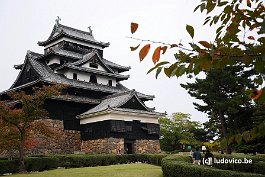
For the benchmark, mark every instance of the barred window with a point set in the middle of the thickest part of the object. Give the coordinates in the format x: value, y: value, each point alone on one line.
x: 117, y: 126
x: 153, y: 129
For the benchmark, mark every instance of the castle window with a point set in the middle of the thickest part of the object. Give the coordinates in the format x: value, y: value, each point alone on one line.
x: 93, y: 65
x: 93, y: 79
x: 74, y: 76
x: 117, y: 126
x: 128, y: 128
x: 153, y: 129
x: 110, y: 82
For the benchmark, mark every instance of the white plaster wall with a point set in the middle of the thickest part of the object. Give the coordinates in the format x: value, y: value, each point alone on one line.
x: 82, y: 76
x: 86, y: 65
x: 124, y: 117
x: 54, y: 60
x: 74, y: 41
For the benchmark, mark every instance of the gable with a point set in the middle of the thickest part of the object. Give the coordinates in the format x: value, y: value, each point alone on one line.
x: 94, y: 63
x: 26, y: 75
x: 134, y: 103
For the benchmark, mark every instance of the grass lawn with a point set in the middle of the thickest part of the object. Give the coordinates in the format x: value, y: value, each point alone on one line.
x: 125, y: 170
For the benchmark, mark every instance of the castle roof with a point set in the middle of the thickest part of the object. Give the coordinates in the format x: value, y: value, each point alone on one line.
x: 47, y: 75
x: 60, y: 31
x: 117, y: 102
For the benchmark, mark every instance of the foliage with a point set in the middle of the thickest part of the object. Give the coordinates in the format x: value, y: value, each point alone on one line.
x: 75, y: 161
x: 178, y: 130
x: 257, y: 161
x: 18, y: 119
x: 173, y: 166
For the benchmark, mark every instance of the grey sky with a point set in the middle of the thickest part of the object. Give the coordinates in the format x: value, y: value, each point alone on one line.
x: 24, y: 23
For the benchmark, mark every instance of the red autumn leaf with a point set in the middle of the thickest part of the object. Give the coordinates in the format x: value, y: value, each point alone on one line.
x: 134, y: 27
x: 205, y: 44
x: 251, y: 38
x: 144, y: 51
x: 134, y: 48
x: 164, y: 49
x: 248, y: 3
x: 156, y: 55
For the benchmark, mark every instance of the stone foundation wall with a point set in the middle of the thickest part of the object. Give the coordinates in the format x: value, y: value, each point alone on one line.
x: 147, y: 146
x: 103, y: 146
x: 60, y: 142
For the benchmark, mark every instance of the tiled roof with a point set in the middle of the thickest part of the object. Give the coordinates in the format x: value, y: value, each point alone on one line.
x: 76, y: 99
x: 47, y: 75
x: 115, y: 101
x: 60, y: 30
x: 114, y: 65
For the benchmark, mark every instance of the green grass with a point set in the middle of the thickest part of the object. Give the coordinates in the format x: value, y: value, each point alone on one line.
x: 125, y: 170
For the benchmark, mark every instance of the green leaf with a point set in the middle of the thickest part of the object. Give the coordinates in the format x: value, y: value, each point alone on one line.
x: 190, y: 30
x: 157, y: 65
x: 158, y: 71
x: 134, y: 48
x: 196, y: 8
x: 210, y: 6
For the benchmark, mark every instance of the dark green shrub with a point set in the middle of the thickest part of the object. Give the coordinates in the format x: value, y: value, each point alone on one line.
x: 175, y: 168
x: 8, y: 166
x: 41, y: 163
x: 243, y: 167
x: 259, y: 167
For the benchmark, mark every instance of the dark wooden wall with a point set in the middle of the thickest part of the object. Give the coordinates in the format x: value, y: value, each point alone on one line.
x: 120, y: 129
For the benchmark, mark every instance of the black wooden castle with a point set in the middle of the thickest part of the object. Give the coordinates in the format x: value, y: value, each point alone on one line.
x: 94, y: 102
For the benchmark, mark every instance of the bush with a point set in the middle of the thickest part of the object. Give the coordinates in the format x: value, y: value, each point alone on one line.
x: 178, y: 166
x: 256, y: 159
x: 259, y: 167
x: 41, y: 163
x: 73, y: 161
x: 8, y: 166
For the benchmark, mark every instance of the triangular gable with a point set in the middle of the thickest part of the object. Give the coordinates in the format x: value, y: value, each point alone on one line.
x: 128, y: 100
x: 134, y: 103
x: 26, y: 75
x: 92, y: 57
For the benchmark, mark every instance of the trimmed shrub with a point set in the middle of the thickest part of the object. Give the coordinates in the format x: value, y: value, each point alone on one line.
x: 8, y: 166
x: 175, y: 168
x: 243, y: 167
x: 73, y: 161
x: 41, y: 163
x: 259, y: 167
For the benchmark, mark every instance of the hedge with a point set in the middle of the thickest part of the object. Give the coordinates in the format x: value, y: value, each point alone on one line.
x: 257, y: 162
x: 174, y: 166
x: 74, y: 161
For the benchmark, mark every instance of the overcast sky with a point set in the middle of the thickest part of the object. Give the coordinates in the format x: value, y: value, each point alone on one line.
x: 24, y: 23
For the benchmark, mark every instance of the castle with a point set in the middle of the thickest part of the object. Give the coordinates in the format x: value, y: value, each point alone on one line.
x: 95, y: 113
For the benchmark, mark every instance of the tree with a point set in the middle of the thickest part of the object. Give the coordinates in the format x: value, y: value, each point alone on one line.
x: 18, y: 118
x: 239, y: 41
x: 225, y: 99
x: 178, y: 130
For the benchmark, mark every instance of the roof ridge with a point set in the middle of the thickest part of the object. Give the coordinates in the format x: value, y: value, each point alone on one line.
x: 75, y: 29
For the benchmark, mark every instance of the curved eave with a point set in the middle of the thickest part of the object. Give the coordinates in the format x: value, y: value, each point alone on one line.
x: 57, y: 54
x: 121, y: 112
x: 62, y: 34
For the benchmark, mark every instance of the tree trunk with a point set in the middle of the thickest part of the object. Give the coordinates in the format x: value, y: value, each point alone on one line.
x: 22, y: 153
x: 224, y: 129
